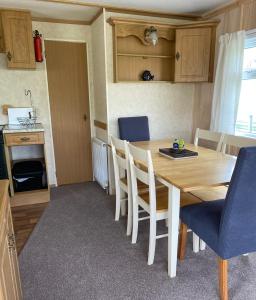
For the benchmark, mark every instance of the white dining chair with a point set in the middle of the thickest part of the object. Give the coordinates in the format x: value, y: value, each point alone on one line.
x: 154, y: 202
x: 208, y: 135
x: 122, y: 176
x: 209, y: 194
x: 213, y: 193
x: 236, y: 141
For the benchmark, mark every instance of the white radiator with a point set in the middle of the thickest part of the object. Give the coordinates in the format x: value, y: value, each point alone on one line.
x: 100, y: 162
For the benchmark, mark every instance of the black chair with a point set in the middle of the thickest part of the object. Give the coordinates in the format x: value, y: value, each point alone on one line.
x: 134, y: 129
x: 227, y: 226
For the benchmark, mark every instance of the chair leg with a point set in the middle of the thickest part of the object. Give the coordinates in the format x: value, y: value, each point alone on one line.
x: 118, y: 204
x: 129, y: 217
x: 152, y: 240
x: 202, y: 245
x: 196, y: 243
x: 182, y: 241
x: 223, y: 279
x: 135, y: 222
x: 123, y: 203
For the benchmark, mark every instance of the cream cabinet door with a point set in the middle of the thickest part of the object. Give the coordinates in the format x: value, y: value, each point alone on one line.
x: 193, y: 54
x: 17, y: 28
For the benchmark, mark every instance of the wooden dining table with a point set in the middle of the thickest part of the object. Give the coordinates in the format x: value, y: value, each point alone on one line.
x: 209, y: 169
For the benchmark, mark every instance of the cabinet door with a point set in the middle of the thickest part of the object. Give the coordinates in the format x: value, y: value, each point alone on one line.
x: 17, y: 28
x: 193, y: 54
x: 14, y: 258
x: 10, y: 288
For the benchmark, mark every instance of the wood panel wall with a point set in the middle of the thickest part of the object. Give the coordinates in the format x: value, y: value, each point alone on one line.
x: 241, y: 16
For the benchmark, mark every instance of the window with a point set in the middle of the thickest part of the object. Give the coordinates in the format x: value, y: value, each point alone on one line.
x: 246, y: 117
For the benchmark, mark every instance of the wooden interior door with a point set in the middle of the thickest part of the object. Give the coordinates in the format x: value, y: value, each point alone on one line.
x: 17, y: 28
x: 193, y: 50
x: 69, y: 104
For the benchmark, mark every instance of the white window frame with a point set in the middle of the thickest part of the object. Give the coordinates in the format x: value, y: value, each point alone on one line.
x: 250, y: 42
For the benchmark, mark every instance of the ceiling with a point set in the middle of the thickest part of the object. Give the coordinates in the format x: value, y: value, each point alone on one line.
x: 58, y: 10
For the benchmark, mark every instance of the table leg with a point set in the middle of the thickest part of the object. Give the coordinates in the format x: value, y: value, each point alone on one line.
x: 173, y: 228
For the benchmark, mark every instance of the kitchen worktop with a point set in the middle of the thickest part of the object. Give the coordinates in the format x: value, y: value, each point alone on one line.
x: 38, y: 127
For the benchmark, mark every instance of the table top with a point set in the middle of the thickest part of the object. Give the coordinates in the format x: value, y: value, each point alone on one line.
x: 209, y: 169
x: 38, y: 127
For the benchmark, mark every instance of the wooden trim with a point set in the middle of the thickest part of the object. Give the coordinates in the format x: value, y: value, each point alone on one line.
x: 100, y: 124
x: 126, y: 10
x: 153, y: 14
x: 203, y: 23
x: 223, y: 279
x: 221, y: 9
x: 96, y: 16
x: 117, y: 20
x: 62, y: 21
x: 30, y: 197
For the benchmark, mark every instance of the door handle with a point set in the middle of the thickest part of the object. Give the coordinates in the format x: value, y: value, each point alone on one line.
x: 177, y: 55
x: 85, y: 117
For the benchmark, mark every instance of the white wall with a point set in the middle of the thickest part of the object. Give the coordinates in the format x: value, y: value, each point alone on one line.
x: 14, y: 82
x: 168, y: 106
x: 100, y: 75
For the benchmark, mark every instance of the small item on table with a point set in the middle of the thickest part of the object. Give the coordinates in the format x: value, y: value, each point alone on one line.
x: 178, y: 144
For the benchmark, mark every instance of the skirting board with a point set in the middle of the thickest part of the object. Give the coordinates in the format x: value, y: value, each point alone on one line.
x: 31, y: 197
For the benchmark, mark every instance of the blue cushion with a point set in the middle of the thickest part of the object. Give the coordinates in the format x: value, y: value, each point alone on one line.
x: 134, y: 129
x: 204, y: 220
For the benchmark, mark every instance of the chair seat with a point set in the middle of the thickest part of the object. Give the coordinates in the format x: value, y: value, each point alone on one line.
x: 162, y: 199
x: 204, y: 220
x: 211, y: 194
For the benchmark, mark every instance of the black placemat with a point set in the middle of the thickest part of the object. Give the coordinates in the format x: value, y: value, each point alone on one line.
x: 175, y: 153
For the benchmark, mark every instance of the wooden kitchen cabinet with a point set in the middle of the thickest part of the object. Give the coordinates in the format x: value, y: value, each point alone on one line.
x: 193, y: 54
x: 10, y: 286
x: 184, y: 52
x: 18, y: 39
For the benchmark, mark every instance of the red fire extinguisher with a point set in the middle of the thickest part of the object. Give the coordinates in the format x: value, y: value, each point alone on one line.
x: 38, y: 46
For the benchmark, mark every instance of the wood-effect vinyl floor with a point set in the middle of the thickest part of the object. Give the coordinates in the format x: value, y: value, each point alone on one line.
x: 25, y: 219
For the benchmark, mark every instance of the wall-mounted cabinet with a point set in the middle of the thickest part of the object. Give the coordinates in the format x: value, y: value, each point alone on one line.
x: 184, y: 53
x: 16, y: 39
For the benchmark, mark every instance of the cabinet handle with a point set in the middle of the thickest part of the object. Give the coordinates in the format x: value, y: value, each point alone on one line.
x: 85, y: 117
x: 9, y: 56
x: 177, y: 55
x: 25, y: 139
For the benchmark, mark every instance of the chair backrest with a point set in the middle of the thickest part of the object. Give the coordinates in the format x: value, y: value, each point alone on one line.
x: 237, y: 232
x: 237, y: 141
x: 120, y: 154
x: 134, y: 129
x: 208, y: 135
x: 141, y: 167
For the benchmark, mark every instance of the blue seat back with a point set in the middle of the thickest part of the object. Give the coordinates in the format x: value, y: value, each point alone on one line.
x: 134, y: 129
x: 237, y: 231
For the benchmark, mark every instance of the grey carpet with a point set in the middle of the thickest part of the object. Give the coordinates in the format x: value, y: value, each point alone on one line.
x: 77, y: 251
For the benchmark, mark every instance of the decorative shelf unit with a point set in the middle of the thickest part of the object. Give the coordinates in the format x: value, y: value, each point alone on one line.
x: 133, y: 55
x: 184, y: 53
